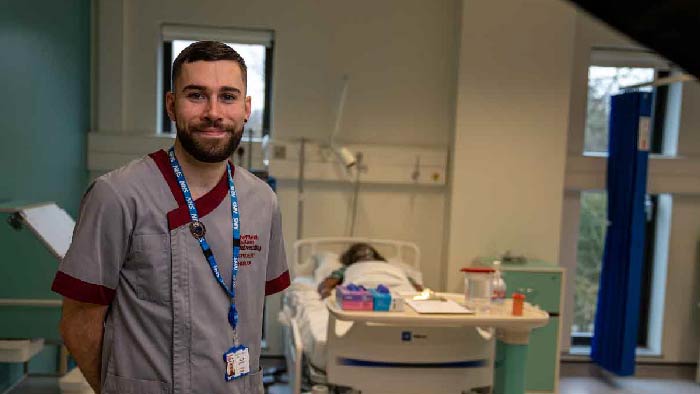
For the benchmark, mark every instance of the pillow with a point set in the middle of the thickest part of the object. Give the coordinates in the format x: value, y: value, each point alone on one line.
x: 325, y: 263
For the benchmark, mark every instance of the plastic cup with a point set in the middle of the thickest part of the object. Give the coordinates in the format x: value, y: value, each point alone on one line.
x: 478, y: 288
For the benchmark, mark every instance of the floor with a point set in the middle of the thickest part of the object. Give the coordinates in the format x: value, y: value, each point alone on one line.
x: 589, y: 385
x: 577, y: 379
x: 583, y: 378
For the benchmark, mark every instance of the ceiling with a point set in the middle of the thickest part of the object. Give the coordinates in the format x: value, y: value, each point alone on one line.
x: 666, y: 26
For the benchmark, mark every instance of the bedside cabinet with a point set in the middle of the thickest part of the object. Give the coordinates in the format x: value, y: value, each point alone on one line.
x: 542, y: 283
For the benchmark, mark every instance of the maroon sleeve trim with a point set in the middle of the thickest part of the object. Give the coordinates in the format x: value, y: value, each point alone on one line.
x: 278, y: 284
x: 78, y: 290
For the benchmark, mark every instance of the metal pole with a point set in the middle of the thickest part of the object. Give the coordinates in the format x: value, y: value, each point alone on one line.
x: 358, y: 168
x: 300, y: 189
x: 250, y: 149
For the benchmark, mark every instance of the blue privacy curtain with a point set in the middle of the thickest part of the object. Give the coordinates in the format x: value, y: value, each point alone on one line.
x: 617, y: 314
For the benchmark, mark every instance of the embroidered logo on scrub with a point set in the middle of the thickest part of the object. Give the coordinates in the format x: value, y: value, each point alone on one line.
x: 249, y: 249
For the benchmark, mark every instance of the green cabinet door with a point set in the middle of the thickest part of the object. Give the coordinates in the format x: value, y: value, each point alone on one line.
x: 540, y: 371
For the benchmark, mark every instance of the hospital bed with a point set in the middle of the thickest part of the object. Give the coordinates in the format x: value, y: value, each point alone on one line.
x: 404, y: 356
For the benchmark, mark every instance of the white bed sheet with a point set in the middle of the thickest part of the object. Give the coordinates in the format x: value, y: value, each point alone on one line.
x: 311, y: 314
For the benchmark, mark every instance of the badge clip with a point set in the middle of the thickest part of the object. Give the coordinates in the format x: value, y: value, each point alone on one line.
x: 197, y: 229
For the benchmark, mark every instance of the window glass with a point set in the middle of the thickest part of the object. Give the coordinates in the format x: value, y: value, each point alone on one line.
x: 589, y: 255
x: 254, y: 56
x: 604, y: 82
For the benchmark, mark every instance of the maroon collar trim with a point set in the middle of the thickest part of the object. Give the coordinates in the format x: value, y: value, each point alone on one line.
x: 205, y: 204
x: 161, y: 159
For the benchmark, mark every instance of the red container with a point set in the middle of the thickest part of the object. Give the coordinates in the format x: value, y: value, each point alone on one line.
x: 518, y: 301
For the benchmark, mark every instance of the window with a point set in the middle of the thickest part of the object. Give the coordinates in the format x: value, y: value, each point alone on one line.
x: 604, y: 82
x: 591, y: 241
x: 589, y: 255
x: 611, y: 71
x: 608, y: 75
x: 256, y: 49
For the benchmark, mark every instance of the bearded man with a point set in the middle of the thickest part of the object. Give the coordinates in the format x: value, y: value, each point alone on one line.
x: 174, y: 253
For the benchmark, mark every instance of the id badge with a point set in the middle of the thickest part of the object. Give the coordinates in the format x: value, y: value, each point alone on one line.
x: 237, y: 361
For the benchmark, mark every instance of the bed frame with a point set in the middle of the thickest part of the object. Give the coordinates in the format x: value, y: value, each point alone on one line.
x: 407, y: 367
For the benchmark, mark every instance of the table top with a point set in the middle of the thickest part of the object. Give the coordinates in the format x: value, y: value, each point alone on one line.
x: 499, y: 316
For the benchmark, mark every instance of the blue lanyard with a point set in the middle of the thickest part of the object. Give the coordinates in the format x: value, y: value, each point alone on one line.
x: 208, y: 254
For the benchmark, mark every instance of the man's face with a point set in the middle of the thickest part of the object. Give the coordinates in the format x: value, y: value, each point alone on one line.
x: 209, y: 108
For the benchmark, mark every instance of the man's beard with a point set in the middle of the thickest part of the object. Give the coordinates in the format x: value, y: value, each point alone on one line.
x: 209, y: 151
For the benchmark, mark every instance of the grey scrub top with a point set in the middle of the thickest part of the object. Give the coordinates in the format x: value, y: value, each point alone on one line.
x: 166, y: 329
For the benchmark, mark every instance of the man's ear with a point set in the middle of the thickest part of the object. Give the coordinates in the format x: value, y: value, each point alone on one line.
x: 170, y: 105
x: 247, y: 107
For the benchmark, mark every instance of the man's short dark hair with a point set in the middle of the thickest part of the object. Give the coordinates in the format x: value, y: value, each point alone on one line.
x: 208, y: 51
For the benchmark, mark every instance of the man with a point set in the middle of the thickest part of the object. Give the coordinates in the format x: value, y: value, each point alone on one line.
x: 166, y: 296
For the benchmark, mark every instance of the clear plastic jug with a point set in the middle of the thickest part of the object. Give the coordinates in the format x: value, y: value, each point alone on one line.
x: 478, y: 288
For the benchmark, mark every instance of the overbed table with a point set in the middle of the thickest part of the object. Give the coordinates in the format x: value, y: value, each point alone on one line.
x: 512, y: 333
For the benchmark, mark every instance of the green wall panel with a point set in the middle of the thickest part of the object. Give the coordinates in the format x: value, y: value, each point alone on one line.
x: 45, y: 71
x: 46, y: 362
x: 9, y: 374
x: 26, y: 322
x: 44, y: 119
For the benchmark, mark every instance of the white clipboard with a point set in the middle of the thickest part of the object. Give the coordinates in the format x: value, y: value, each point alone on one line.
x: 438, y: 306
x: 51, y: 224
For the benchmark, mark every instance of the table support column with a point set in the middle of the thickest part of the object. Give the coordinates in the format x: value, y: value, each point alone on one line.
x: 509, y: 368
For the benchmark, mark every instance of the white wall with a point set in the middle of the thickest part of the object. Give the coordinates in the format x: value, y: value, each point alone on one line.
x: 680, y: 336
x: 398, y: 54
x: 689, y: 133
x: 511, y: 124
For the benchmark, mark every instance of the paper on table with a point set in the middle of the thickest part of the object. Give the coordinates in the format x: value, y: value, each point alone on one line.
x: 437, y: 306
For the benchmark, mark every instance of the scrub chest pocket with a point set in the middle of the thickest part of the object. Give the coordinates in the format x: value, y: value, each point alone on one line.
x: 148, y: 267
x: 119, y: 385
